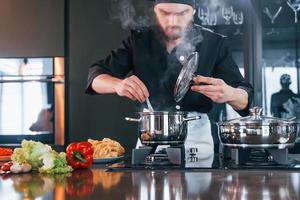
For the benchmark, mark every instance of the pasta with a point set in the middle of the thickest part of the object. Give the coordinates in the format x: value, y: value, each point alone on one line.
x: 106, y: 148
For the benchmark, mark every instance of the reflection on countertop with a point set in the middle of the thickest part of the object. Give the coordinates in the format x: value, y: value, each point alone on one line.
x: 96, y: 183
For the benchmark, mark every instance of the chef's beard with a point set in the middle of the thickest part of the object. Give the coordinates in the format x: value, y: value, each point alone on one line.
x: 172, y: 33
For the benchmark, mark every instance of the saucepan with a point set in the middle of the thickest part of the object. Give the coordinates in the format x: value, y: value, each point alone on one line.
x: 160, y: 127
x: 258, y: 131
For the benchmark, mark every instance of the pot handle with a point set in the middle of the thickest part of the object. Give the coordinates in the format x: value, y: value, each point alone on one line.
x: 191, y: 118
x: 132, y: 119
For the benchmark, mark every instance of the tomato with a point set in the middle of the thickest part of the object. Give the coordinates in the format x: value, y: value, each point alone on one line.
x: 6, y: 166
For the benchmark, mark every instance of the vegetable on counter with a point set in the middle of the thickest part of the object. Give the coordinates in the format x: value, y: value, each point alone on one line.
x: 6, y: 166
x: 5, y: 151
x: 38, y: 156
x: 16, y: 168
x: 55, y: 163
x: 80, y: 155
x: 26, y: 167
x: 30, y: 152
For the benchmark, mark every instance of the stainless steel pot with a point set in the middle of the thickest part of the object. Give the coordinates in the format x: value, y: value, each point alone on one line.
x: 157, y: 128
x: 258, y: 131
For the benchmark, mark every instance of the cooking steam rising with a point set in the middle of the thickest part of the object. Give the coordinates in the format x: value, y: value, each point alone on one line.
x: 126, y: 12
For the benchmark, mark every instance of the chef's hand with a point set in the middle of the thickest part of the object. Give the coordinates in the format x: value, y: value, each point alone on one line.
x: 219, y: 92
x: 133, y: 88
x: 216, y: 89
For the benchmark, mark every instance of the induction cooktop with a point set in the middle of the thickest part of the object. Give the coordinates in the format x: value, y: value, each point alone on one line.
x: 194, y: 161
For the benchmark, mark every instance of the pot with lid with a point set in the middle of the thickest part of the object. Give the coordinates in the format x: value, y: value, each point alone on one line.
x: 258, y: 131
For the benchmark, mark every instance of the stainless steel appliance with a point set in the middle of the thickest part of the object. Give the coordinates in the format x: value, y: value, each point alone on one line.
x: 162, y: 128
x: 32, y: 103
x: 147, y: 156
x: 257, y: 131
x: 256, y: 140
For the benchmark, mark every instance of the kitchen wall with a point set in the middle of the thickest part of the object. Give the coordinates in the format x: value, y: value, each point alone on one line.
x: 91, y: 37
x: 31, y: 28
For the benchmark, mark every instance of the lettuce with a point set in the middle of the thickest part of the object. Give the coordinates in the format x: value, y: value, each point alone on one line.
x: 30, y: 152
x: 41, y: 157
x: 54, y: 163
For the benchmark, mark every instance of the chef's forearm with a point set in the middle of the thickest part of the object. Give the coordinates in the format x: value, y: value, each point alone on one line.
x: 105, y: 84
x: 239, y: 100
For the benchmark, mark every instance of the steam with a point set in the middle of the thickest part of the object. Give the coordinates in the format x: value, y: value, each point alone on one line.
x: 124, y: 12
x: 135, y: 14
x: 191, y: 38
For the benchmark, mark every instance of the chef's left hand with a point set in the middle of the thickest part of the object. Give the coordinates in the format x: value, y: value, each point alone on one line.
x: 215, y: 89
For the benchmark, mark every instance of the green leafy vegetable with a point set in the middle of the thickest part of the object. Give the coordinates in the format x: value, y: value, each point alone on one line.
x: 41, y: 157
x: 54, y: 163
x: 30, y: 152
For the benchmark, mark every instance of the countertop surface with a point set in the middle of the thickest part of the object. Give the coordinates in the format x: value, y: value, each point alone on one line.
x: 204, y: 179
x: 96, y: 183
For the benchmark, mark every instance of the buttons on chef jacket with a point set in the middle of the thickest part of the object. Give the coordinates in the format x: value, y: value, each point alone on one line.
x: 177, y: 107
x: 181, y: 58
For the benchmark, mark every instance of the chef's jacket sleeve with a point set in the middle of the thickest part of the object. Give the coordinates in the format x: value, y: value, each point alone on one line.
x: 118, y: 64
x: 227, y: 70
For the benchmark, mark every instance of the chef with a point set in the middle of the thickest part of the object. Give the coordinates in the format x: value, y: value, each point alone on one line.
x: 154, y: 56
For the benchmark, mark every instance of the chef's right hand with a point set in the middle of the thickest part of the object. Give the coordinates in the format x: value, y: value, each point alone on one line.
x: 133, y: 88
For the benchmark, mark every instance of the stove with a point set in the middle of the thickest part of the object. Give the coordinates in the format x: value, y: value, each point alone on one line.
x: 251, y: 158
x: 168, y: 156
x: 261, y: 157
x: 179, y: 158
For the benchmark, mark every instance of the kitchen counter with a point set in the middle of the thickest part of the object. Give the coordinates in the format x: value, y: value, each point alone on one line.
x: 193, y: 183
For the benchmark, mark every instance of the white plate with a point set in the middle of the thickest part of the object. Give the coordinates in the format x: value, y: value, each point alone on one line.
x: 107, y: 160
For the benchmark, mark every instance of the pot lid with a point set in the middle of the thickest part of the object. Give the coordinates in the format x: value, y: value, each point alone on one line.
x: 256, y: 118
x: 185, y: 76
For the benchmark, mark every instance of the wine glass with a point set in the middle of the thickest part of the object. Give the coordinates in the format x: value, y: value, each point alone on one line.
x: 203, y: 15
x: 212, y: 19
x: 238, y: 19
x: 227, y: 14
x: 272, y: 18
x: 295, y: 6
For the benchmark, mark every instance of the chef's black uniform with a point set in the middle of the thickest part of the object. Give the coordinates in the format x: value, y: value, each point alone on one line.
x: 144, y: 54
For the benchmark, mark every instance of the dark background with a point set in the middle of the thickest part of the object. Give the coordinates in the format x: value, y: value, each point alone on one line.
x: 92, y: 35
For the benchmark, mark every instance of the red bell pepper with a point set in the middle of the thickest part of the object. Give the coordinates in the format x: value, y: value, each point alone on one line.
x: 80, y: 155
